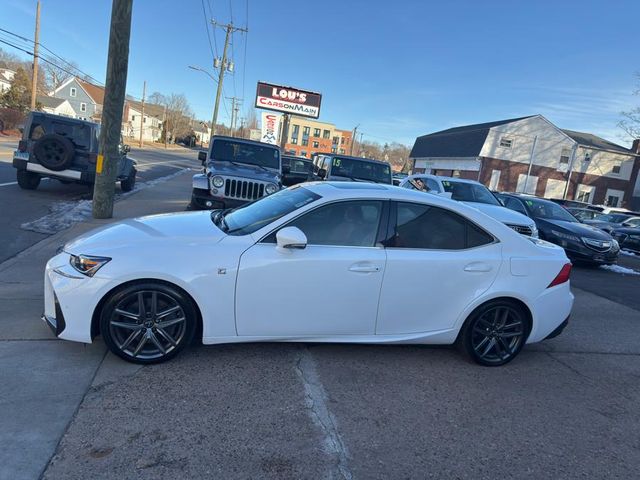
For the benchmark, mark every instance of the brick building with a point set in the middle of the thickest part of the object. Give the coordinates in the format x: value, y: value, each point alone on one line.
x: 531, y: 154
x: 307, y: 136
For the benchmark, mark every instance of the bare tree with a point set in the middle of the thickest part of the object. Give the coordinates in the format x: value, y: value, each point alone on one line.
x: 56, y: 75
x: 178, y: 121
x: 631, y: 118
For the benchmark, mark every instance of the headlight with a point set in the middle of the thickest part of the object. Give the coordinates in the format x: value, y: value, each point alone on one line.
x: 88, y: 265
x: 534, y: 231
x: 615, y: 244
x: 565, y: 236
x: 218, y: 182
x: 270, y: 188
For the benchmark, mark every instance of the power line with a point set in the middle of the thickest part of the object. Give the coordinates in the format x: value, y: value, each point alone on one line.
x: 206, y: 25
x: 244, y: 60
x: 215, y: 43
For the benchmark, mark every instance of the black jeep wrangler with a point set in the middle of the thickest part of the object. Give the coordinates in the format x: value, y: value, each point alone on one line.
x: 65, y: 149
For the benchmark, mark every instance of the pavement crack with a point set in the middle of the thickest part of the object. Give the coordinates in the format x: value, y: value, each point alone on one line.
x: 316, y: 401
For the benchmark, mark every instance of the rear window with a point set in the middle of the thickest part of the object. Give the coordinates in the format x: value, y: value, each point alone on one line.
x: 230, y: 151
x: 79, y: 133
x: 361, y: 170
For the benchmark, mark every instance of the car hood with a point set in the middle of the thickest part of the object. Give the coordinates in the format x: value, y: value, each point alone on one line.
x: 579, y: 229
x: 502, y: 214
x: 186, y: 228
x: 243, y: 170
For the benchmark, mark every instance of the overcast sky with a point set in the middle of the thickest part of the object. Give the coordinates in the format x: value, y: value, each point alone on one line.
x: 399, y: 69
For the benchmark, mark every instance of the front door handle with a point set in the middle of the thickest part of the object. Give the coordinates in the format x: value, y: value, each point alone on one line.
x: 363, y: 268
x: 478, y: 267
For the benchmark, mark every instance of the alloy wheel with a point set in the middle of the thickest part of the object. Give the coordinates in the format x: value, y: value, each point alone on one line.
x: 147, y: 324
x: 498, y: 334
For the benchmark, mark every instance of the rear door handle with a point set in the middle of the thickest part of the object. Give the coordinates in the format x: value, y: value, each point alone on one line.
x: 363, y: 268
x: 478, y: 267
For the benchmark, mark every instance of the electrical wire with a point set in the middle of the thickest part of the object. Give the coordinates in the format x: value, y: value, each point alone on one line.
x: 206, y: 26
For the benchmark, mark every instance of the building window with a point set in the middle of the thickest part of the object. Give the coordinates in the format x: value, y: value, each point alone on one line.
x: 294, y: 134
x: 133, y: 118
x: 315, y: 144
x: 72, y: 92
x: 83, y: 107
x: 564, y: 156
x: 342, y: 151
x: 326, y: 134
x: 303, y: 153
x: 336, y: 140
x: 334, y: 149
x: 616, y: 169
x: 294, y: 140
x: 305, y: 142
x: 341, y: 140
x: 306, y: 130
x: 316, y: 132
x: 506, y: 142
x: 144, y: 120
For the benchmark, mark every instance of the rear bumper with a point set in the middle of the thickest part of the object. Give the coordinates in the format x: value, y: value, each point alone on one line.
x: 558, y: 330
x: 551, y: 312
x: 77, y: 175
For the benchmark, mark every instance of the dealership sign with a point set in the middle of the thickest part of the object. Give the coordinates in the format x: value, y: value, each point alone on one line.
x: 270, y: 127
x: 288, y: 100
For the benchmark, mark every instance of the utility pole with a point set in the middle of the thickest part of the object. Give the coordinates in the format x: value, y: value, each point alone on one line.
x: 144, y: 91
x: 353, y: 138
x: 531, y: 157
x: 164, y: 125
x: 235, y: 106
x: 115, y: 87
x: 360, y: 145
x: 223, y: 66
x: 34, y: 79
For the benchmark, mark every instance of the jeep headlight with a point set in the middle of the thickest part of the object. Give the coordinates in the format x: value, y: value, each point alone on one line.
x: 88, y: 265
x: 218, y: 182
x: 271, y: 188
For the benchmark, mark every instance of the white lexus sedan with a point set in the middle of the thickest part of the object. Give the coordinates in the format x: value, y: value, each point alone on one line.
x: 318, y: 262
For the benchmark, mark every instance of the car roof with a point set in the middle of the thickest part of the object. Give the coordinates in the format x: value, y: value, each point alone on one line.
x: 351, y: 157
x: 441, y: 177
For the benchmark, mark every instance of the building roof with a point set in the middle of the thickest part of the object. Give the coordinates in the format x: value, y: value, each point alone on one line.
x: 150, y: 109
x: 465, y: 141
x: 590, y: 140
x: 49, y: 102
x: 94, y: 91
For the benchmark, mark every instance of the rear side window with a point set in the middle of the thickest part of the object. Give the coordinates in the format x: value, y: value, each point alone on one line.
x: 432, y: 228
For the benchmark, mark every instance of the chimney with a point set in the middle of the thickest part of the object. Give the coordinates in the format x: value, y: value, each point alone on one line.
x: 636, y: 146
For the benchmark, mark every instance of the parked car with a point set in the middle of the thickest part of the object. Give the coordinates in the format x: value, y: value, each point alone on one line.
x: 473, y: 194
x: 627, y: 237
x: 393, y: 266
x: 66, y: 149
x: 328, y: 166
x: 582, y: 243
x: 296, y: 170
x: 609, y: 221
x: 235, y: 171
x: 583, y: 214
x: 398, y: 177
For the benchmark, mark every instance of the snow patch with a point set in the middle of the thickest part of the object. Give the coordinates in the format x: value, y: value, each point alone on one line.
x: 620, y: 269
x: 629, y: 253
x: 62, y: 215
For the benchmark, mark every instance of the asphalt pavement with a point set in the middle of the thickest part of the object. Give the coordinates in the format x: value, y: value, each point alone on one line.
x: 23, y: 206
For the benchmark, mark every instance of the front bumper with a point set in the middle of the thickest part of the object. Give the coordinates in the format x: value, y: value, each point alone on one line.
x: 202, y: 199
x: 579, y: 252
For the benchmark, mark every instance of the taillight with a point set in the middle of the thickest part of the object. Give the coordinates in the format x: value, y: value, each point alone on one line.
x: 562, y: 277
x: 22, y: 146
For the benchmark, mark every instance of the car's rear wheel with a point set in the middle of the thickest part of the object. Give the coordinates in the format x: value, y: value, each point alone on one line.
x: 28, y: 180
x: 495, y: 333
x: 148, y: 322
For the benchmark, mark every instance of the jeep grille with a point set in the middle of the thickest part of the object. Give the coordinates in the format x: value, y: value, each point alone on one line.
x: 243, y: 189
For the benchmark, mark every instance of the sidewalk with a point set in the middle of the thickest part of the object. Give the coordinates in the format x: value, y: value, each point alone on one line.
x: 43, y: 380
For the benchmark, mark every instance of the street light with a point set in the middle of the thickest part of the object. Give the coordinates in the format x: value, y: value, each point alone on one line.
x: 192, y: 67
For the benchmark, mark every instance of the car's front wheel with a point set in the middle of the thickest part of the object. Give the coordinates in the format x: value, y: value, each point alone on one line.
x: 495, y: 332
x: 148, y: 322
x: 28, y: 180
x: 127, y: 184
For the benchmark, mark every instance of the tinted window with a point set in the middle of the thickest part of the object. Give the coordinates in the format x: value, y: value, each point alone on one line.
x: 353, y: 223
x: 514, y: 204
x: 361, y: 169
x: 253, y: 216
x: 548, y: 210
x: 426, y: 227
x: 227, y: 150
x: 469, y: 192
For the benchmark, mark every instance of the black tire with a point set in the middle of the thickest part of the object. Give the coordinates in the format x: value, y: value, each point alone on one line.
x: 54, y: 151
x: 129, y: 183
x: 135, y: 334
x: 490, y: 338
x: 28, y: 180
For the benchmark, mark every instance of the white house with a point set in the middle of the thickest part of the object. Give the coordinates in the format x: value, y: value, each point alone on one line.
x: 530, y: 154
x: 6, y: 78
x: 57, y: 106
x: 151, y: 124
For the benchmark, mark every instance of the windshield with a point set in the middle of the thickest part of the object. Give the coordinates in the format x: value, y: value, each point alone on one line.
x: 548, y: 210
x: 230, y: 151
x: 254, y: 216
x: 361, y: 170
x: 612, y: 217
x: 469, y: 192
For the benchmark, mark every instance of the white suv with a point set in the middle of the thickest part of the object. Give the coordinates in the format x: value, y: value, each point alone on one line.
x: 473, y: 194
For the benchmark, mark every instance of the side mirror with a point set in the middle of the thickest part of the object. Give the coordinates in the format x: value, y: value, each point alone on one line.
x: 202, y: 156
x: 289, y: 238
x: 322, y: 173
x: 286, y: 169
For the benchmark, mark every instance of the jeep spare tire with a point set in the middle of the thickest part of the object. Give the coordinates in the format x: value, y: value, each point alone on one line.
x: 54, y: 151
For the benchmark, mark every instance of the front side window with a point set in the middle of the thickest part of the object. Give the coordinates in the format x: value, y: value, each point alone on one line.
x: 345, y: 224
x: 433, y: 228
x: 253, y: 216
